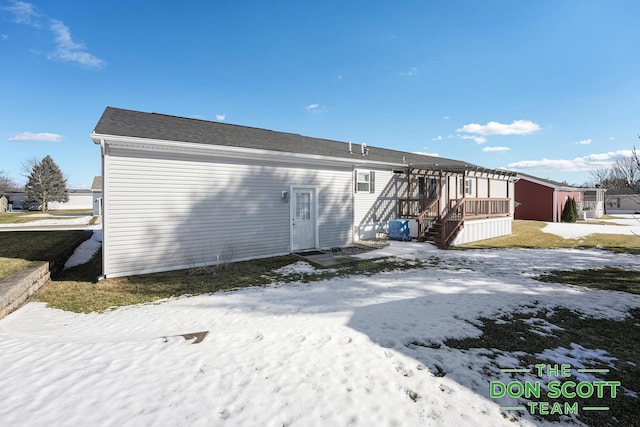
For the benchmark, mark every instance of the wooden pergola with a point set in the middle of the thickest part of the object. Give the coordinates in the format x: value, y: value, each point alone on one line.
x: 440, y: 221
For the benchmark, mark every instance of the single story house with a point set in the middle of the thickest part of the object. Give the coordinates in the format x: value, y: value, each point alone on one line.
x: 96, y: 192
x: 623, y: 201
x: 542, y: 199
x: 17, y: 199
x: 79, y: 198
x: 181, y: 193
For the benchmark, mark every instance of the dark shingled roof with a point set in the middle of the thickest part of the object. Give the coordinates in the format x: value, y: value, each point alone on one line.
x: 129, y: 123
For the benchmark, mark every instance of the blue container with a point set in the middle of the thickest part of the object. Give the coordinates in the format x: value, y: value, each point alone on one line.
x: 399, y: 229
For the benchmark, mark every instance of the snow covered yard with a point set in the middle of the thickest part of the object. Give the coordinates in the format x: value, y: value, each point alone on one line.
x: 335, y: 352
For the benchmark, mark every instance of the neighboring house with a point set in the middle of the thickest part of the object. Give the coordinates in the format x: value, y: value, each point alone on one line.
x: 78, y: 199
x: 4, y: 203
x: 18, y: 199
x: 182, y: 192
x: 543, y: 199
x: 622, y: 201
x: 96, y: 191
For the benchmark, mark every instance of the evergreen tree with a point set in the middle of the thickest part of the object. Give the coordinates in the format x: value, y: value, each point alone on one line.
x: 46, y: 183
x: 570, y: 211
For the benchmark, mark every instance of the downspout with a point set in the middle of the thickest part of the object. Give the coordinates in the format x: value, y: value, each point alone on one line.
x: 103, y: 150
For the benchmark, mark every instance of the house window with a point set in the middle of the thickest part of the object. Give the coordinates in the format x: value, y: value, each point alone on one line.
x: 428, y: 188
x: 468, y: 186
x: 365, y: 181
x: 432, y: 188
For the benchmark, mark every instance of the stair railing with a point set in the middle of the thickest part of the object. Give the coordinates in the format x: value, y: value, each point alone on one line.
x: 429, y: 214
x: 452, y: 222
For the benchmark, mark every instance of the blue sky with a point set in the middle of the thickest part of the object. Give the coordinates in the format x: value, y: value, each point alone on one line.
x: 546, y: 87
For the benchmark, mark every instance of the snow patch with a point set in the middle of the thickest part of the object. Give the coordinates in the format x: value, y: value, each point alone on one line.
x: 85, y: 251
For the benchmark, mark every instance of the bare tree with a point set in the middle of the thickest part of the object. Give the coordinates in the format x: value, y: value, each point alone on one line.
x: 6, y: 183
x: 626, y: 171
x: 601, y: 177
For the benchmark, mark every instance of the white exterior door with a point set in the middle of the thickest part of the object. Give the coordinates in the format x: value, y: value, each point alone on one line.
x: 303, y: 218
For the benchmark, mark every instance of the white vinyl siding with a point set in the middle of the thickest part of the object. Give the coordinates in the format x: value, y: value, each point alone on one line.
x: 372, y: 210
x: 482, y: 188
x: 500, y: 189
x: 481, y: 229
x: 78, y: 199
x: 165, y: 211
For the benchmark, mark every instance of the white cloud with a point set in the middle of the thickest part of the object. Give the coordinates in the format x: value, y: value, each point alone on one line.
x: 65, y: 48
x: 611, y: 138
x: 68, y: 50
x: 221, y: 117
x: 24, y: 13
x: 4, y: 36
x: 422, y: 153
x: 412, y: 72
x: 316, y: 108
x: 517, y: 127
x: 495, y: 149
x: 437, y: 138
x: 446, y: 117
x: 584, y: 142
x: 43, y: 136
x: 579, y: 164
x: 476, y: 139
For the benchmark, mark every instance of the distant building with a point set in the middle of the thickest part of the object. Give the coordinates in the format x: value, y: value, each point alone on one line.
x: 542, y: 199
x: 79, y: 199
x: 96, y: 190
x: 622, y: 201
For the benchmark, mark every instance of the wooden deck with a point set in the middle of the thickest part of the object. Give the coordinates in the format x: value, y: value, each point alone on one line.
x: 440, y: 226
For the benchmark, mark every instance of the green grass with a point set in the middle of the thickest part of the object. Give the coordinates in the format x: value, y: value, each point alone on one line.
x: 37, y: 245
x: 613, y: 279
x: 529, y: 234
x: 19, y: 218
x: 8, y: 266
x: 71, y: 211
x: 520, y: 332
x: 19, y: 248
x: 25, y: 217
x: 73, y: 290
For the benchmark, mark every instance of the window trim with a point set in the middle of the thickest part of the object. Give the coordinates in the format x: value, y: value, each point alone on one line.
x: 369, y: 181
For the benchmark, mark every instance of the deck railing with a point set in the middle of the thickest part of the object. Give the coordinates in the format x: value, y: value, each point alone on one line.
x: 427, y: 212
x: 486, y: 208
x: 412, y: 208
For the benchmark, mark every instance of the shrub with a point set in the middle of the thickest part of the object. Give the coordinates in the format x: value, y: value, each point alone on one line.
x: 570, y: 211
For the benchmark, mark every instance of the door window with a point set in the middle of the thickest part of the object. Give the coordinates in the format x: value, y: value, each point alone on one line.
x: 303, y: 206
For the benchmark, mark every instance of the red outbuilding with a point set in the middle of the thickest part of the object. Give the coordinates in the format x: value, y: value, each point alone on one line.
x: 542, y: 199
